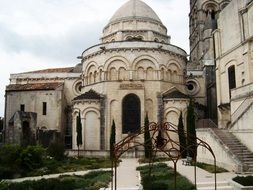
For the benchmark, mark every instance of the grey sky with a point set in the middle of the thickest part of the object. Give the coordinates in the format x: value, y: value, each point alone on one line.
x: 39, y: 34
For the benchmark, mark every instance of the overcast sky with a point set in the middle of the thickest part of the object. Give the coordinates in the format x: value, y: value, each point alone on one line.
x: 39, y: 34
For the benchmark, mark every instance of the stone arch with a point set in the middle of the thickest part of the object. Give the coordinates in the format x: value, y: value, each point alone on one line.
x: 174, y: 65
x: 228, y: 64
x: 172, y: 111
x: 140, y: 73
x: 210, y: 5
x: 145, y: 57
x: 112, y: 74
x: 223, y: 4
x: 91, y: 130
x: 139, y: 37
x: 123, y: 74
x: 88, y: 67
x: 128, y: 38
x: 122, y: 62
x: 83, y: 112
x: 163, y: 73
x: 100, y: 75
x: 172, y: 116
x: 176, y: 70
x: 150, y: 73
x: 91, y: 69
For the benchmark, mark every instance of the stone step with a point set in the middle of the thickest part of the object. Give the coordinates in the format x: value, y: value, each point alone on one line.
x: 245, y: 154
x: 236, y: 147
x: 211, y: 183
x: 242, y: 149
x: 228, y: 187
x: 233, y: 144
x: 247, y: 159
x: 221, y: 185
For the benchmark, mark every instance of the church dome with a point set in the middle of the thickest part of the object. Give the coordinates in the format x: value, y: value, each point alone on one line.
x: 135, y: 20
x: 135, y: 9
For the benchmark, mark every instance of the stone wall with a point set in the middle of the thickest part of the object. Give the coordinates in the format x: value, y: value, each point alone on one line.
x: 224, y: 157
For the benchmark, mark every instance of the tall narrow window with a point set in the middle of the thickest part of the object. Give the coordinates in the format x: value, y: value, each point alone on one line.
x: 231, y: 78
x: 131, y: 114
x: 44, y: 108
x: 22, y: 107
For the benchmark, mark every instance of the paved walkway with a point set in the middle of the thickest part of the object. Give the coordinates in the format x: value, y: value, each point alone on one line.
x: 127, y: 176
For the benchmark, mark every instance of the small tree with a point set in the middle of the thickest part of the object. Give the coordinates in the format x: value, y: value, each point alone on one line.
x: 191, y: 131
x: 112, y: 140
x: 79, y: 140
x: 147, y: 139
x: 182, y: 137
x: 1, y: 123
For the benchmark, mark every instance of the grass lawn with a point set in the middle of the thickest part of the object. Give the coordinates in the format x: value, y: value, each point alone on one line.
x: 244, y: 180
x: 162, y: 178
x: 90, y: 181
x: 210, y: 168
x: 156, y: 159
x: 51, y: 166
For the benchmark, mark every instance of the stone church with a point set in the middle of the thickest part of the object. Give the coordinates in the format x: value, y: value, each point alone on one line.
x: 135, y: 71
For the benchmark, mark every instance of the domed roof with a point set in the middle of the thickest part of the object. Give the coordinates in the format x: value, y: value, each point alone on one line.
x: 134, y: 9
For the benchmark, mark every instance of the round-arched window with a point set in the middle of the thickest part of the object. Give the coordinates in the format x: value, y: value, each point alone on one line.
x: 131, y: 114
x: 78, y: 87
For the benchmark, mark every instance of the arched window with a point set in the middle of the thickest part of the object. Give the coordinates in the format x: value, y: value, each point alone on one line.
x: 95, y: 76
x: 113, y: 74
x: 231, y: 78
x: 100, y: 75
x: 140, y: 74
x: 131, y: 116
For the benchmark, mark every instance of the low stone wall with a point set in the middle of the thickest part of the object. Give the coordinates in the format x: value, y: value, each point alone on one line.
x: 88, y: 153
x: 104, y: 153
x: 224, y: 158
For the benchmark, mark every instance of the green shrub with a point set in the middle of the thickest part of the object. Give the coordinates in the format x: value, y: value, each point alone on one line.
x: 31, y: 158
x: 3, y: 185
x: 244, y: 180
x: 161, y: 177
x: 210, y: 168
x: 56, y: 150
x: 9, y: 161
x: 90, y: 181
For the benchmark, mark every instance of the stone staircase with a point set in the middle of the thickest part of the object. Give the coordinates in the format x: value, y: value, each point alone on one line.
x: 240, y: 151
x: 221, y: 185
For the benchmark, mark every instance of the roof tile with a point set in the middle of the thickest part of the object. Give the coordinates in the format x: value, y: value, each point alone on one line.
x: 36, y: 86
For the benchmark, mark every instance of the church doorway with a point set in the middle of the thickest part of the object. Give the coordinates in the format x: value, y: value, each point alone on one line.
x: 131, y: 116
x: 26, y: 133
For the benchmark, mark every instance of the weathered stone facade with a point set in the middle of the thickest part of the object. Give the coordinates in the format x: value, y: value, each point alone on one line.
x: 135, y: 70
x: 234, y: 69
